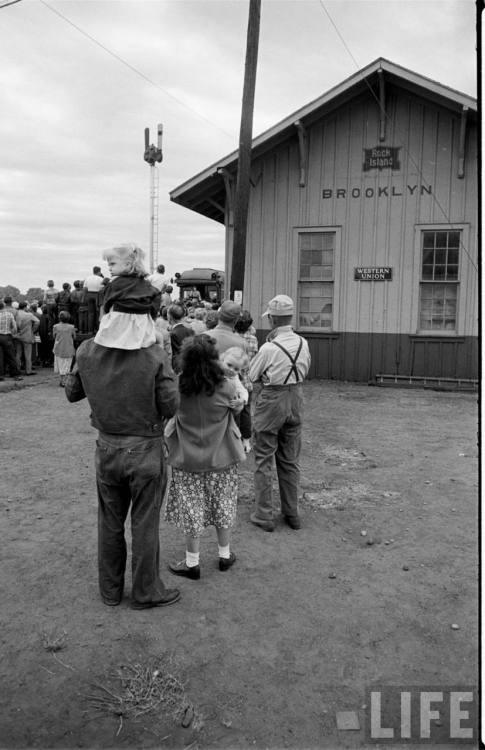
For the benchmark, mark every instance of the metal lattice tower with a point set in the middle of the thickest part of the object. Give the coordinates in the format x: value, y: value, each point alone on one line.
x: 153, y: 155
x: 154, y: 188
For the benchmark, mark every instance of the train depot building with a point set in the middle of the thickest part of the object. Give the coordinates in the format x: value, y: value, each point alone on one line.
x: 363, y: 208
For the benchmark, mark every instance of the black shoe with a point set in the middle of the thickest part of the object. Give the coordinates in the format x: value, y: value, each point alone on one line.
x: 111, y: 602
x: 266, y: 525
x: 171, y: 596
x: 182, y: 569
x: 226, y: 562
x: 293, y: 522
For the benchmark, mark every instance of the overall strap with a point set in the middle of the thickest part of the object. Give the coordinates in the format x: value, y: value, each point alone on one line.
x: 293, y: 360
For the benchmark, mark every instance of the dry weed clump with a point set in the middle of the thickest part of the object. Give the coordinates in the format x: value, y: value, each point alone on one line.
x: 143, y: 688
x: 54, y: 640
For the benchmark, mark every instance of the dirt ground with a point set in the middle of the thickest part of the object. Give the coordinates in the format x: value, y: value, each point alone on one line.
x: 365, y: 594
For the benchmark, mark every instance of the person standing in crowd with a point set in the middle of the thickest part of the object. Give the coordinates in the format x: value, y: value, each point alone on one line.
x: 167, y: 296
x: 157, y: 279
x: 83, y: 309
x: 211, y: 319
x: 45, y: 332
x: 64, y: 300
x: 204, y: 450
x: 8, y: 328
x: 197, y: 320
x: 75, y: 299
x: 178, y: 332
x: 9, y: 306
x: 223, y: 333
x: 64, y: 333
x: 281, y: 365
x: 101, y: 296
x: 244, y: 327
x: 132, y: 390
x: 50, y: 299
x: 27, y: 326
x: 92, y: 285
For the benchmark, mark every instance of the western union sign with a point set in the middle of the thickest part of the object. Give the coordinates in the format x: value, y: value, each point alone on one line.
x: 374, y: 273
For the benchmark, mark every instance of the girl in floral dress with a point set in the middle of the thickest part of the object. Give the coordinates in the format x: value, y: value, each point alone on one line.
x: 204, y: 449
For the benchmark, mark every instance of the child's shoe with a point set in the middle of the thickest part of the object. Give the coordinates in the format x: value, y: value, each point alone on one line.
x: 246, y: 445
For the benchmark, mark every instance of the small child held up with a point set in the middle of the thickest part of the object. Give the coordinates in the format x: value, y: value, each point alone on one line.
x: 130, y: 303
x: 234, y: 361
x: 63, y: 350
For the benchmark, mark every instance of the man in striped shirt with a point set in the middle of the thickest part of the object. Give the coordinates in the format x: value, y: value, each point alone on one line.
x: 8, y: 328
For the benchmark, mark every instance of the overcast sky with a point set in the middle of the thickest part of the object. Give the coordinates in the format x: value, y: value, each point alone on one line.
x: 73, y: 181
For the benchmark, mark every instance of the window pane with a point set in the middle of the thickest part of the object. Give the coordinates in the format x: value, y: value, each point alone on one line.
x: 316, y: 305
x: 327, y: 272
x: 306, y: 257
x: 328, y: 240
x: 316, y: 241
x: 427, y: 272
x: 305, y: 241
x: 440, y: 256
x: 428, y: 256
x: 316, y: 272
x: 316, y: 258
x: 454, y: 240
x: 438, y: 307
x: 304, y: 271
x: 327, y: 257
x: 452, y: 272
x: 439, y: 272
x: 453, y: 255
x: 428, y: 240
x: 441, y: 239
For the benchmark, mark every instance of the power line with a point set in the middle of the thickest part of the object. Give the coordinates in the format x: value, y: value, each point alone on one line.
x: 400, y: 132
x: 132, y: 68
x: 12, y: 2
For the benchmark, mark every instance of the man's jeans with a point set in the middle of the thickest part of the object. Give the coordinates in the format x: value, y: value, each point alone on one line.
x: 7, y: 355
x: 277, y: 432
x: 132, y: 473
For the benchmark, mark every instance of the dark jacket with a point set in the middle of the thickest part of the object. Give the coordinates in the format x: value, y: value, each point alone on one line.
x: 131, y: 294
x: 203, y: 435
x: 130, y: 392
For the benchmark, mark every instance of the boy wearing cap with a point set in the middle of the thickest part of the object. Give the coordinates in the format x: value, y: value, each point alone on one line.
x: 224, y: 334
x: 280, y: 365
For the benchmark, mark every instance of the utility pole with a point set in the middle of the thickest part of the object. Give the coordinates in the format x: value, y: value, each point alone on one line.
x: 151, y: 156
x: 241, y: 203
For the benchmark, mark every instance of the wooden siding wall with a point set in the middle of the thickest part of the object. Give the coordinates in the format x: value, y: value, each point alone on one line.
x: 375, y: 231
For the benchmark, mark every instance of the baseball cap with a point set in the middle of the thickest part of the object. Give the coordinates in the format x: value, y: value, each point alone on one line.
x: 280, y: 305
x: 229, y: 311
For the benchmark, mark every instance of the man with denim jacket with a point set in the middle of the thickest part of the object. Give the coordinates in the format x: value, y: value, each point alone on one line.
x: 131, y: 393
x: 280, y: 365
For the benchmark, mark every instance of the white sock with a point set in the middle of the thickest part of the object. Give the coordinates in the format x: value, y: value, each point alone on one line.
x: 224, y: 552
x: 191, y: 559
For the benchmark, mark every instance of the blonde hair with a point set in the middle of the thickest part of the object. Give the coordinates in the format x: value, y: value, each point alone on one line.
x: 238, y: 354
x: 132, y: 254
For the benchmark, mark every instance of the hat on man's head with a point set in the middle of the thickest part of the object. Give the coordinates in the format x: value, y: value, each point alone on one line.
x: 229, y: 311
x: 280, y: 305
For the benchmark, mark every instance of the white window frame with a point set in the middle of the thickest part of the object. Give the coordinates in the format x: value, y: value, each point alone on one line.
x: 297, y: 231
x: 463, y: 229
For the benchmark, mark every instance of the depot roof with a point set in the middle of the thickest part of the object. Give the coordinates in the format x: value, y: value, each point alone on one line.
x: 205, y: 192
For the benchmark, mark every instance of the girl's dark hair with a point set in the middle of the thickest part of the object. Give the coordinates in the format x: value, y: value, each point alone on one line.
x: 201, y: 371
x: 244, y: 323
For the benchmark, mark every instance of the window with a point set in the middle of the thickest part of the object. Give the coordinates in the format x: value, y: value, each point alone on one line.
x: 439, y: 280
x: 315, y: 293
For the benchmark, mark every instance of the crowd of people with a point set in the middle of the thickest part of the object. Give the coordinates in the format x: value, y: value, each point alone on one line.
x: 170, y: 389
